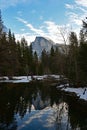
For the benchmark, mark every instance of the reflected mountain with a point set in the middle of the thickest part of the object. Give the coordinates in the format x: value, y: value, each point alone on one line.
x: 38, y: 103
x: 37, y: 106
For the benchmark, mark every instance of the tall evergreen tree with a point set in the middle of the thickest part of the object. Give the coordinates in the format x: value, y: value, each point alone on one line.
x: 3, y: 55
x: 81, y: 37
x: 35, y: 63
x: 52, y: 60
x: 12, y: 56
x: 45, y: 62
x: 73, y: 55
x: 83, y: 53
x: 1, y: 24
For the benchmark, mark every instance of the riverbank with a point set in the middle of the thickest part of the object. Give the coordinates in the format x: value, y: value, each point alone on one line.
x: 76, y: 97
x: 26, y: 79
x: 79, y: 93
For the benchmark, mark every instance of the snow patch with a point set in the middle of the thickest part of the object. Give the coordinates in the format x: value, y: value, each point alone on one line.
x: 80, y: 92
x: 25, y: 79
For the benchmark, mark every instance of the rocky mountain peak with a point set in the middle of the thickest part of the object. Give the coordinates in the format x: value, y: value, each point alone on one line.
x: 40, y: 44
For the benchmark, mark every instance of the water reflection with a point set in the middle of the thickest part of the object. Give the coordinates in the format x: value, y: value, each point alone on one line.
x: 62, y: 117
x: 38, y: 103
x: 36, y: 106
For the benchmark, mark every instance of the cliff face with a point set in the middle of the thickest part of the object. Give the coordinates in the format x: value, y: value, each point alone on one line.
x: 40, y: 44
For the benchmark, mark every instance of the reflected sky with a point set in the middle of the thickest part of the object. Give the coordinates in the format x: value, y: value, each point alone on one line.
x: 37, y: 107
x: 50, y: 118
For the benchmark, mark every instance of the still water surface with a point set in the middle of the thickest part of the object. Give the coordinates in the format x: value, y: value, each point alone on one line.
x: 37, y: 106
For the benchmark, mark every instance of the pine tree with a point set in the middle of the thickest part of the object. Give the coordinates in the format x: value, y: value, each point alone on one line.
x: 52, y: 60
x: 1, y: 24
x: 73, y: 55
x: 81, y: 37
x: 35, y: 63
x: 83, y: 53
x: 12, y: 55
x: 3, y: 55
x: 45, y: 62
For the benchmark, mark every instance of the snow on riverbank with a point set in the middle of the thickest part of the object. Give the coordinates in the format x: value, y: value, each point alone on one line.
x: 19, y: 79
x: 25, y: 79
x: 80, y: 92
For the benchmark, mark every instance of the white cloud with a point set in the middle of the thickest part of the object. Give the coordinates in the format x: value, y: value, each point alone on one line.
x: 29, y: 37
x: 35, y: 30
x: 81, y: 2
x: 47, y: 29
x: 53, y: 31
x: 82, y: 9
x: 69, y: 6
x: 22, y: 29
x: 76, y: 13
x: 51, y: 27
x: 74, y: 18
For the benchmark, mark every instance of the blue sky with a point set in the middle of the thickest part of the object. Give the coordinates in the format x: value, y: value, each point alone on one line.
x: 31, y: 18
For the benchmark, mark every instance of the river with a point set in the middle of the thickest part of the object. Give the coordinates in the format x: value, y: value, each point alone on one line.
x: 38, y: 106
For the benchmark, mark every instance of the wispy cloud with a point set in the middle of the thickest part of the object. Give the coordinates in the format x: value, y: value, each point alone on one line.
x: 30, y: 26
x: 22, y: 29
x: 74, y: 18
x: 28, y: 36
x: 47, y: 29
x: 75, y: 13
x: 69, y: 6
x: 81, y: 2
x: 51, y: 27
x: 53, y: 31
